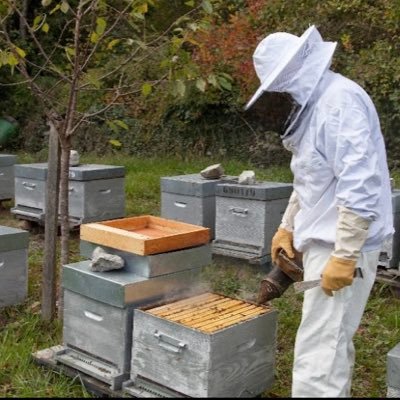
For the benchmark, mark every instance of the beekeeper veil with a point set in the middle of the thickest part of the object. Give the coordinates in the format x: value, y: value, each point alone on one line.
x: 289, y: 68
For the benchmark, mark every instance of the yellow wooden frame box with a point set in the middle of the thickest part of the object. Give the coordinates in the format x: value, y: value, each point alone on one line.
x: 145, y: 235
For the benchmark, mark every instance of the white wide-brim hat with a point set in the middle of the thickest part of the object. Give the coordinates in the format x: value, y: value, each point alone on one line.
x: 280, y: 58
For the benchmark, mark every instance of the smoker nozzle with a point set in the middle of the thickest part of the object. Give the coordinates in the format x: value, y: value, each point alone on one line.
x: 273, y: 285
x: 281, y: 277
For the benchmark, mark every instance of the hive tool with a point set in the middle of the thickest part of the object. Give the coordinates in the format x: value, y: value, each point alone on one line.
x: 302, y: 286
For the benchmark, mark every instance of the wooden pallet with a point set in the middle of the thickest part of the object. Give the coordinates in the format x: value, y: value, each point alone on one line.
x: 46, y: 358
x: 392, y: 278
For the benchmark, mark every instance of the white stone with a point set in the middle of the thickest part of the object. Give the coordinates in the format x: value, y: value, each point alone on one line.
x: 103, y: 261
x: 247, y: 178
x: 214, y: 171
x: 73, y: 158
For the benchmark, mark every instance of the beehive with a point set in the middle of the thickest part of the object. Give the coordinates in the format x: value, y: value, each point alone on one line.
x: 13, y: 265
x: 96, y: 192
x: 190, y: 198
x: 393, y: 372
x: 247, y: 217
x: 7, y: 162
x: 208, y: 345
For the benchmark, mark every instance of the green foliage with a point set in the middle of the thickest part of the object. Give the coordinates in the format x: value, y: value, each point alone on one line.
x: 189, y: 89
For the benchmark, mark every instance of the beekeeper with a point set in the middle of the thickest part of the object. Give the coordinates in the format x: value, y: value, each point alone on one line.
x: 340, y: 211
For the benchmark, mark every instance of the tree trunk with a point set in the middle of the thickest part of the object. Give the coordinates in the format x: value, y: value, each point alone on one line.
x: 64, y: 211
x: 49, y: 274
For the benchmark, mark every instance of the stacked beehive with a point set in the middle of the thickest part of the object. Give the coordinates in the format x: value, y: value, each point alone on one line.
x: 163, y: 259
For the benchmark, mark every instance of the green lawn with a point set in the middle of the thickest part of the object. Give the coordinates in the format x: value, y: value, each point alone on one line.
x: 22, y: 332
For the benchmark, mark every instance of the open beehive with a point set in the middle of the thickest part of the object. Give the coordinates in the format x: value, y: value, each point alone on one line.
x: 208, y: 312
x: 145, y: 235
x: 208, y: 345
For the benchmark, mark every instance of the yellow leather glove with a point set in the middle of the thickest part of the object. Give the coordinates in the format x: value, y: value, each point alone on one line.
x: 337, y: 274
x: 283, y: 239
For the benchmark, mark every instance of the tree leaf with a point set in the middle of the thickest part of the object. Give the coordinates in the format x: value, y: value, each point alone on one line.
x: 201, y: 84
x: 224, y: 83
x: 12, y: 60
x: 57, y: 7
x: 113, y: 43
x: 64, y: 7
x: 180, y: 87
x: 190, y: 3
x: 37, y: 21
x: 122, y: 124
x: 146, y: 89
x: 45, y: 27
x: 20, y: 52
x: 94, y: 37
x: 212, y: 79
x: 142, y: 9
x: 101, y: 24
x: 207, y: 6
x: 46, y: 3
x: 115, y: 142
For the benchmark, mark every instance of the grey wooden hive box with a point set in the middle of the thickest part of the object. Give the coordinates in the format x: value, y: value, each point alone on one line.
x: 247, y: 216
x: 190, y: 198
x: 156, y: 264
x: 13, y: 265
x: 235, y: 361
x: 96, y: 192
x: 98, y: 314
x: 7, y: 162
x: 393, y: 372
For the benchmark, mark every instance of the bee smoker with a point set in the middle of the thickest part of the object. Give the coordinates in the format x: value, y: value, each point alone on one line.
x: 285, y: 272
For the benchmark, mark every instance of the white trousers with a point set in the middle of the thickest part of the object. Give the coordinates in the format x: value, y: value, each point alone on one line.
x: 324, y: 351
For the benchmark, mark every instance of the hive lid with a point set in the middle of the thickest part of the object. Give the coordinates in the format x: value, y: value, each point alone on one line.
x: 7, y: 160
x: 208, y: 312
x: 123, y: 287
x: 192, y: 184
x: 13, y: 239
x: 82, y: 172
x: 258, y: 191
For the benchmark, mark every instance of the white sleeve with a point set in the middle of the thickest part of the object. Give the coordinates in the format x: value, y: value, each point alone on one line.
x: 353, y: 156
x: 292, y: 209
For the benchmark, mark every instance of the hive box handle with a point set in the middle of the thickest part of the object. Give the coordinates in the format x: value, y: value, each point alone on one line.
x: 169, y: 343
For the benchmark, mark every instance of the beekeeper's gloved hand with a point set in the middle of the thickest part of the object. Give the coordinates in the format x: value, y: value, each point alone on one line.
x: 351, y: 233
x: 283, y: 238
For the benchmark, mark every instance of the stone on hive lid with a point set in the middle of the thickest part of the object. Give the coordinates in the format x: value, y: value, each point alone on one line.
x: 73, y: 158
x: 214, y: 171
x: 103, y: 261
x: 247, y: 178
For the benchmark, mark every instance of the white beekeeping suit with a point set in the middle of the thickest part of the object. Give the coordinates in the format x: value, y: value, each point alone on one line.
x: 340, y: 212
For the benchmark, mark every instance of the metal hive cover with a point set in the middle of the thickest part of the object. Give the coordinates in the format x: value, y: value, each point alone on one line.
x: 258, y: 191
x: 192, y: 184
x: 7, y: 160
x: 13, y: 239
x: 82, y: 172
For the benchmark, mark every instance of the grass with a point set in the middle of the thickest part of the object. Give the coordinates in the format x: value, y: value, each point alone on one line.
x: 22, y: 331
